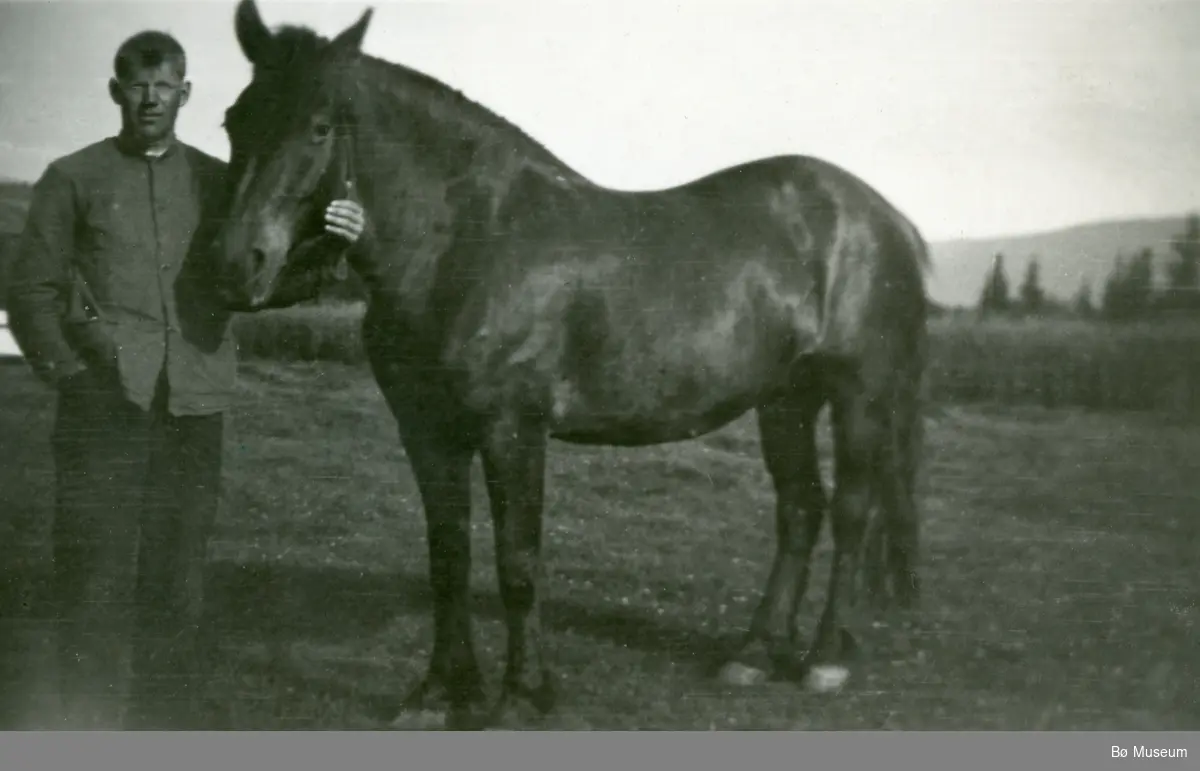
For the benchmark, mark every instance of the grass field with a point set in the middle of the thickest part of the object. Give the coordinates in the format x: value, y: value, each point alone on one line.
x: 1059, y: 565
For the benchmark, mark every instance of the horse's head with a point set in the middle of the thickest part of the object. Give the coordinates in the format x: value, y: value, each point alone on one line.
x: 291, y: 134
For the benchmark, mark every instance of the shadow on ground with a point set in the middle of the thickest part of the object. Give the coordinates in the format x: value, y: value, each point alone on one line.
x: 276, y: 606
x: 331, y: 604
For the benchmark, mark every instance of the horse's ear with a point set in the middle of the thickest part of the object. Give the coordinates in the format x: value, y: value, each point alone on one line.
x: 351, y: 38
x: 252, y: 34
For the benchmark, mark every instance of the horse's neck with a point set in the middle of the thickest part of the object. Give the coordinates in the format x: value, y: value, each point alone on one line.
x: 411, y: 222
x: 426, y: 188
x: 434, y: 141
x: 432, y: 184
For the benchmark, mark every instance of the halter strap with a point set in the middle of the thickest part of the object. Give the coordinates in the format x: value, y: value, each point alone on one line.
x: 347, y: 180
x: 347, y: 183
x: 315, y: 253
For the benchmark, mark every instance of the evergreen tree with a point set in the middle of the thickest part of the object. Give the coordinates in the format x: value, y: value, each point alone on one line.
x: 1183, y: 286
x: 1082, y: 304
x: 1113, y: 302
x: 1032, y: 296
x: 994, y: 297
x: 1140, y: 283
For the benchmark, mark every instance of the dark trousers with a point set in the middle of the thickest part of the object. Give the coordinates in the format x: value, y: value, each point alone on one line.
x: 137, y: 496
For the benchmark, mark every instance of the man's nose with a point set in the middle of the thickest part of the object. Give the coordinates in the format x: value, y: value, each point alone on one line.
x: 150, y: 97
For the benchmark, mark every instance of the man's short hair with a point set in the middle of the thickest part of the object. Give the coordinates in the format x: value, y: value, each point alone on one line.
x: 149, y: 49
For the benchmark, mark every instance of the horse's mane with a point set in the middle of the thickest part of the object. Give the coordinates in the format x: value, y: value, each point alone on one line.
x: 296, y: 42
x: 439, y: 101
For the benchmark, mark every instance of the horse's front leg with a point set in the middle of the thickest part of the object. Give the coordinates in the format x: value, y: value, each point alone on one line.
x: 514, y: 462
x: 442, y: 468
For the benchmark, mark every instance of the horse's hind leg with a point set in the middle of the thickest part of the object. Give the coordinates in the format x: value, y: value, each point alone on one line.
x: 873, y: 568
x: 897, y: 479
x: 859, y: 427
x: 788, y: 435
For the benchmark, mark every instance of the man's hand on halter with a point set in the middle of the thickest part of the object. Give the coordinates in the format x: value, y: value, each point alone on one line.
x: 345, y: 218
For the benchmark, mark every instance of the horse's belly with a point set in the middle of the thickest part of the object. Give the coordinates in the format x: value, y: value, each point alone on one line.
x: 634, y: 429
x: 624, y: 357
x: 673, y: 397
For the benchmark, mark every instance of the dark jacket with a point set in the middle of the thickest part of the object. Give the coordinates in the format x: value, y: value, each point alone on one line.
x: 111, y: 272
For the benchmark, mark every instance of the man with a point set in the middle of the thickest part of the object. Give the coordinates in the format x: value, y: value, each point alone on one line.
x: 112, y: 304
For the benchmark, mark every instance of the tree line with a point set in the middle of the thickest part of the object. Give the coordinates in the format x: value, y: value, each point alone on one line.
x: 1128, y: 293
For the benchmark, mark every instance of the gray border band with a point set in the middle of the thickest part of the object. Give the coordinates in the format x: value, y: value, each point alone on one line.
x: 724, y: 751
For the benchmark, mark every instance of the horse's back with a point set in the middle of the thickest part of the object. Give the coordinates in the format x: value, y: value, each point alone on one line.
x: 838, y: 247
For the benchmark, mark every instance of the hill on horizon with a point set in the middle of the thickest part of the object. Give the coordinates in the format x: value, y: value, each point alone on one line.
x: 1067, y: 256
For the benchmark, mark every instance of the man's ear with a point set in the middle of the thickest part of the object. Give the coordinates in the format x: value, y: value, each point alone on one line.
x: 185, y: 92
x: 114, y: 91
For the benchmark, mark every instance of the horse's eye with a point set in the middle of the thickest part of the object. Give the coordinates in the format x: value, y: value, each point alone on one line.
x: 321, y: 131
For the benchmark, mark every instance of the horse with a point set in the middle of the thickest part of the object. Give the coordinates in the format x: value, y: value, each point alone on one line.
x: 511, y: 301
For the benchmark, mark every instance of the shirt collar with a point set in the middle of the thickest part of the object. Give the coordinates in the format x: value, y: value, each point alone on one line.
x: 127, y: 147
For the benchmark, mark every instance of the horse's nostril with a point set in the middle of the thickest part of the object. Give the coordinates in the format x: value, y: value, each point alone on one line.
x: 258, y: 259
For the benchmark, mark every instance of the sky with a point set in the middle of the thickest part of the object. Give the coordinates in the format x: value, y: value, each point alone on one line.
x: 975, y: 117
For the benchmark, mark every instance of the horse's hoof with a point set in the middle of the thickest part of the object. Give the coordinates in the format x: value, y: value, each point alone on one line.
x: 466, y: 719
x: 522, y: 708
x: 420, y: 720
x: 544, y: 697
x: 427, y: 707
x: 741, y: 675
x: 507, y: 715
x: 452, y: 719
x: 757, y: 662
x: 826, y: 678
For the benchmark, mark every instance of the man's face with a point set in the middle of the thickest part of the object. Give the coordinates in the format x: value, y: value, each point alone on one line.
x: 150, y: 98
